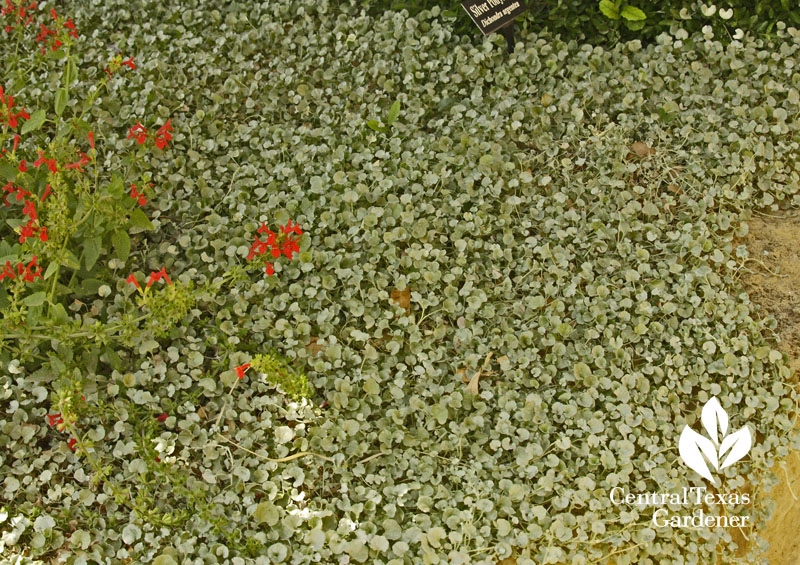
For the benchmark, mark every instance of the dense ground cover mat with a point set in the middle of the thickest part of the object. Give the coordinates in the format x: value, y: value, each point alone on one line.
x: 517, y: 284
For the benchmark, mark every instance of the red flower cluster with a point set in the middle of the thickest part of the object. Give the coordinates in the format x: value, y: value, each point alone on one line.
x: 162, y: 417
x: 154, y: 276
x: 140, y: 195
x: 162, y: 136
x: 51, y: 163
x: 20, y: 11
x: 45, y: 32
x: 25, y: 273
x: 6, y: 115
x: 29, y: 209
x: 287, y: 247
x: 138, y: 132
x: 21, y: 192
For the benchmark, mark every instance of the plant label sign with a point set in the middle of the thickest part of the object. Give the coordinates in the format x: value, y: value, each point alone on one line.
x: 491, y: 15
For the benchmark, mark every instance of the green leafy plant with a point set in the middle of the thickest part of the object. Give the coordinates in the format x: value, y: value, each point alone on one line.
x: 293, y: 383
x: 394, y: 111
x: 613, y: 22
x: 632, y: 16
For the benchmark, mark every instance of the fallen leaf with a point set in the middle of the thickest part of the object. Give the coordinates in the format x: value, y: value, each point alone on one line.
x: 402, y: 298
x: 462, y: 374
x: 675, y: 171
x: 674, y: 189
x: 201, y: 413
x: 508, y: 561
x: 473, y: 382
x: 505, y: 363
x: 641, y: 149
x: 313, y: 347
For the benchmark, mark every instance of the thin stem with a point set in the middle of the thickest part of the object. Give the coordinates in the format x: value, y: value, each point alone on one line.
x: 282, y: 459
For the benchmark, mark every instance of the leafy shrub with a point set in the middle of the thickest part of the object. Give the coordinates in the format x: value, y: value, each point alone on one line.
x: 608, y: 22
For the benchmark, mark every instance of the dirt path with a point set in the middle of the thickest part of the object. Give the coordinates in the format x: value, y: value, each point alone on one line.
x: 773, y: 281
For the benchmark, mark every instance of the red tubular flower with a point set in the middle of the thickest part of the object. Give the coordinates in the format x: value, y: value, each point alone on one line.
x: 23, y: 168
x: 46, y: 192
x: 269, y: 269
x: 71, y: 26
x: 11, y: 117
x: 27, y: 231
x: 71, y: 443
x: 7, y: 271
x: 16, y: 142
x: 240, y: 370
x: 43, y: 234
x: 289, y: 228
x: 162, y: 135
x: 51, y: 163
x: 129, y: 63
x: 26, y: 273
x: 142, y: 200
x: 54, y: 419
x: 79, y: 164
x: 138, y: 132
x: 42, y: 36
x: 30, y: 209
x: 290, y: 246
x: 91, y: 139
x: 163, y: 273
x: 157, y: 275
x: 132, y: 279
x: 162, y: 417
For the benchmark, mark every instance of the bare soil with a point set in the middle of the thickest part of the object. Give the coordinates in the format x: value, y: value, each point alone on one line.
x: 772, y: 280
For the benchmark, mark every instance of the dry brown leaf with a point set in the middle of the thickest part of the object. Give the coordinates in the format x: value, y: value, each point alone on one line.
x: 674, y: 189
x: 502, y: 360
x: 675, y: 171
x: 202, y: 413
x: 508, y: 561
x: 402, y: 298
x: 473, y: 382
x: 641, y: 149
x: 462, y: 374
x: 313, y: 347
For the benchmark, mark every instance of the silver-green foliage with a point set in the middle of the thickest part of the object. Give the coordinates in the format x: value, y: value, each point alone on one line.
x: 508, y: 200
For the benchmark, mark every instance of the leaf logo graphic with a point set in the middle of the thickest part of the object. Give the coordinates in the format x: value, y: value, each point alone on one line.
x: 697, y: 450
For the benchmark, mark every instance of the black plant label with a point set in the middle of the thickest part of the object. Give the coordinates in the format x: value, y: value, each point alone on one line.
x: 491, y: 15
